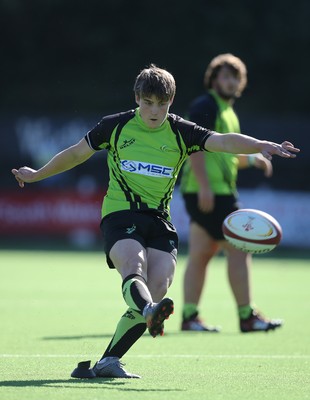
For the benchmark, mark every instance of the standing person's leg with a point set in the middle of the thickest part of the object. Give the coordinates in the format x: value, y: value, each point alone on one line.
x: 201, y: 250
x: 238, y: 270
x: 239, y: 275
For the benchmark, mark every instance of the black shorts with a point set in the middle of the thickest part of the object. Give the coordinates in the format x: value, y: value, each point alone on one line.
x: 211, y: 222
x: 149, y: 228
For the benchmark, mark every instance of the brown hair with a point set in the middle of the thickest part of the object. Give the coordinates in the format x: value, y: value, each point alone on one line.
x: 155, y: 81
x: 230, y: 61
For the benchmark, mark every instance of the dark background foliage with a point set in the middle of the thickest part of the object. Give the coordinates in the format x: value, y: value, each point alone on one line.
x: 64, y: 55
x: 81, y: 58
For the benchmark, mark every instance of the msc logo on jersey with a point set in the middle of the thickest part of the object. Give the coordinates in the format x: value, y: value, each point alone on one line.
x: 144, y: 168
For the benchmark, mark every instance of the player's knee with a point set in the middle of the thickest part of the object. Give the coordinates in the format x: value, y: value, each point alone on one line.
x: 132, y: 265
x: 202, y: 257
x: 159, y: 288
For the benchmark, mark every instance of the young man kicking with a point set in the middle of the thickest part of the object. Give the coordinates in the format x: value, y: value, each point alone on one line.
x: 146, y: 148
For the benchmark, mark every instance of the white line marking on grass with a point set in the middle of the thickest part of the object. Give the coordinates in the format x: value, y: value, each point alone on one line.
x: 219, y: 356
x: 228, y: 356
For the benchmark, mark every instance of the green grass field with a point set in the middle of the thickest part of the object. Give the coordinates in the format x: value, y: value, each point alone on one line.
x: 59, y: 308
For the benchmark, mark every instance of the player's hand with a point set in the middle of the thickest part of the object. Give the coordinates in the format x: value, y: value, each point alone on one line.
x: 285, y: 149
x: 289, y: 147
x: 24, y: 174
x: 205, y: 200
x: 261, y: 162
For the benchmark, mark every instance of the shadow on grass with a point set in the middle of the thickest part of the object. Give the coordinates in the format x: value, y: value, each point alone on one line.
x: 78, y: 337
x: 108, y: 336
x: 111, y: 383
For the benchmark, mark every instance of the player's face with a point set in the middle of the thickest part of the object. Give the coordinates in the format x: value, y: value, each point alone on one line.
x: 226, y: 83
x: 152, y: 110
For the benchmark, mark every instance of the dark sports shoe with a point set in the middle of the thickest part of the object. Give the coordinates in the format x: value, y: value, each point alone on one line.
x: 196, y: 324
x: 156, y: 314
x: 83, y: 371
x: 258, y: 323
x: 112, y: 368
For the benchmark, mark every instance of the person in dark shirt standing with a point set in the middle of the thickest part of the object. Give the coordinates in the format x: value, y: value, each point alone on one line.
x: 209, y: 190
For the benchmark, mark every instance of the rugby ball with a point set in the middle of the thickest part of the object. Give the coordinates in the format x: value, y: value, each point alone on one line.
x: 252, y: 231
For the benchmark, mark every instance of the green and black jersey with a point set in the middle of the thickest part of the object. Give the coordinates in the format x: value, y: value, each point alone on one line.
x: 213, y: 112
x: 144, y: 163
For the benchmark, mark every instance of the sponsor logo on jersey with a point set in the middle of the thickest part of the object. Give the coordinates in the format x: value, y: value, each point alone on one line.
x: 131, y: 230
x: 129, y: 315
x: 127, y: 143
x: 145, y: 168
x: 167, y: 149
x: 172, y: 244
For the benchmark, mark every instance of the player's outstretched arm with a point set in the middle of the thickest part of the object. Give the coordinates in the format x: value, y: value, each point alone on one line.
x: 242, y: 144
x: 63, y: 161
